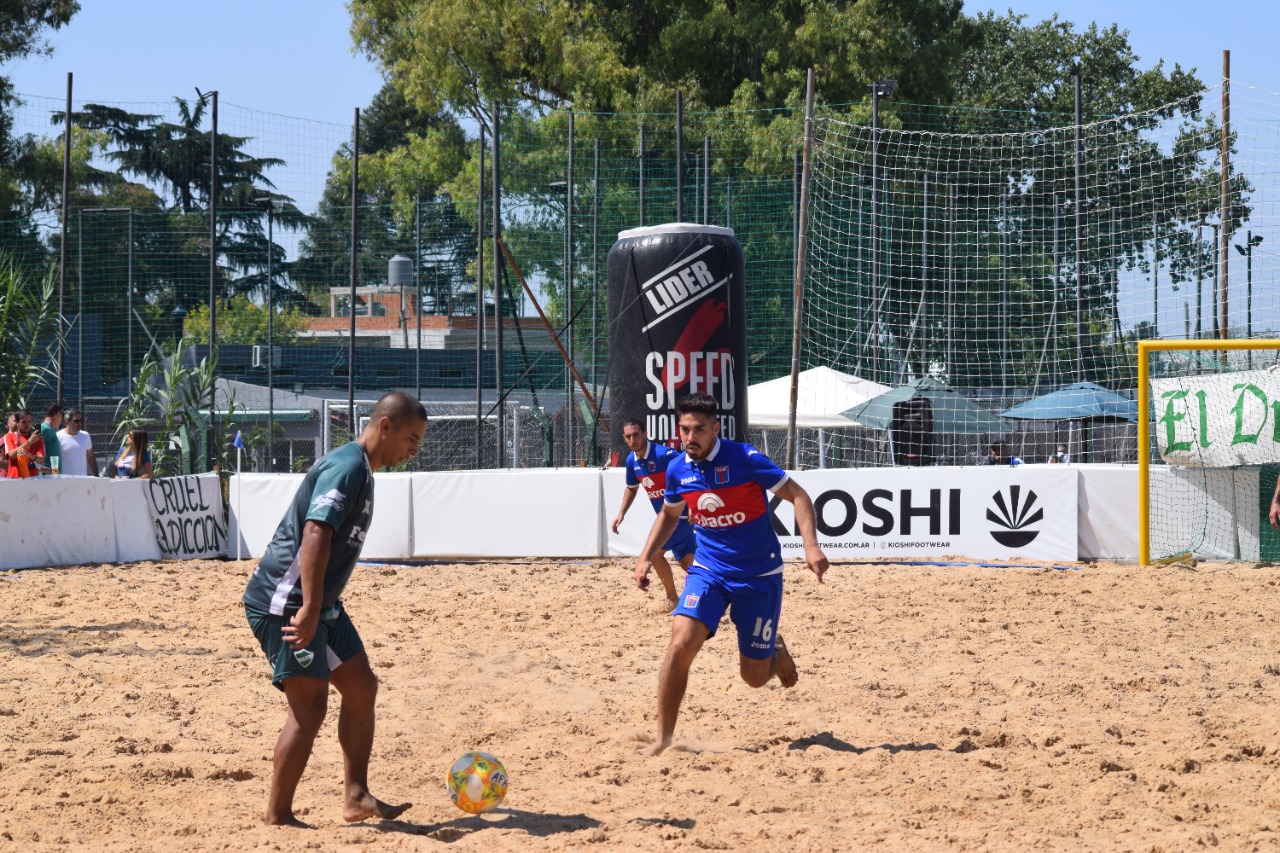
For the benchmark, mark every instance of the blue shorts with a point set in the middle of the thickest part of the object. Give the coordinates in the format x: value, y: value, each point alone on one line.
x: 681, y: 543
x: 336, y: 641
x: 754, y: 605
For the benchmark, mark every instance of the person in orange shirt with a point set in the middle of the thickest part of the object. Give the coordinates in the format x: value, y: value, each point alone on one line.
x: 24, y: 449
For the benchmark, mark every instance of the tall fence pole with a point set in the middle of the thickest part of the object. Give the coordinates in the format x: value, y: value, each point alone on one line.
x: 128, y: 294
x: 641, y: 185
x: 62, y: 241
x: 797, y: 307
x: 706, y: 180
x: 213, y: 274
x: 355, y: 273
x: 924, y: 284
x: 595, y: 284
x: 80, y: 308
x: 480, y: 241
x: 679, y: 157
x: 1224, y: 200
x: 1079, y: 234
x: 495, y: 187
x: 417, y: 290
x: 951, y: 280
x: 568, y: 292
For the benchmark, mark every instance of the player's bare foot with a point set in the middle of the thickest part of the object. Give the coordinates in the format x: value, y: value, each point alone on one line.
x: 788, y: 675
x: 366, y: 805
x: 656, y: 748
x: 285, y: 820
x: 671, y: 603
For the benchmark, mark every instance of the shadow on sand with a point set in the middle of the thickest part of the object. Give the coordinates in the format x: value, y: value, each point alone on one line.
x: 830, y: 741
x: 539, y: 824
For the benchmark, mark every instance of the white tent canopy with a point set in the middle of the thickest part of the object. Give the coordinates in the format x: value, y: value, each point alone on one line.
x: 821, y: 396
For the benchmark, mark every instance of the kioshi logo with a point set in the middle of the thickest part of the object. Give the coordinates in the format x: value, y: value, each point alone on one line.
x: 1014, y: 515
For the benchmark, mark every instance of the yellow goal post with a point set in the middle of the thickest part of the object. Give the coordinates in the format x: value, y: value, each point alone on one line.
x: 1145, y: 410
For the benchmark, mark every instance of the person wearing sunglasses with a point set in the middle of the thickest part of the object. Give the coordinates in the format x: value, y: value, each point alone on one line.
x: 77, y: 447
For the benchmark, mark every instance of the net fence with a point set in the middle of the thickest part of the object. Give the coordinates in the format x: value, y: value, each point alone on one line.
x: 950, y: 260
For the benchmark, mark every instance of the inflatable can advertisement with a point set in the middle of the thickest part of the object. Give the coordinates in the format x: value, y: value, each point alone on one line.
x: 677, y: 325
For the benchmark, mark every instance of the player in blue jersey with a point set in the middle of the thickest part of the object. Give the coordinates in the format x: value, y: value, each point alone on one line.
x: 293, y: 604
x: 738, y: 564
x: 647, y: 467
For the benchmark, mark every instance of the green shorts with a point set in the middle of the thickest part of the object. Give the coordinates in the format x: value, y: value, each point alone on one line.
x: 336, y: 641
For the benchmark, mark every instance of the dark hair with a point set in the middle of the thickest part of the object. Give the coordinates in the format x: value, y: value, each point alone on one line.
x: 399, y: 407
x: 138, y: 439
x: 72, y: 414
x: 53, y: 409
x: 697, y: 404
x: 635, y: 422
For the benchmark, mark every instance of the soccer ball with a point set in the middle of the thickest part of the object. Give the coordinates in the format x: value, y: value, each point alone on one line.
x: 477, y: 782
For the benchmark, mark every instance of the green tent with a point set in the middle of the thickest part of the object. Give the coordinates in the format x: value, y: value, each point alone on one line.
x: 951, y: 412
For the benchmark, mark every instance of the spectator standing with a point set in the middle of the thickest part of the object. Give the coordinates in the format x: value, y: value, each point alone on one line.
x: 77, y: 448
x: 23, y: 448
x: 1060, y: 455
x: 49, y: 437
x: 134, y: 461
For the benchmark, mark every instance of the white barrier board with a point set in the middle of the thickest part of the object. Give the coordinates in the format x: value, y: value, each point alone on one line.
x: 259, y: 502
x: 57, y: 521
x: 542, y: 513
x: 982, y: 513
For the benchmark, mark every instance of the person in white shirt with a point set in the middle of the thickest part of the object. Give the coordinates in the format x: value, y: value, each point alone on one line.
x: 77, y: 448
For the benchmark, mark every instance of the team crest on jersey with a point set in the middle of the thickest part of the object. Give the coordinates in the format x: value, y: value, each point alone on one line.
x: 304, y: 657
x: 653, y: 466
x: 722, y: 475
x: 691, y: 601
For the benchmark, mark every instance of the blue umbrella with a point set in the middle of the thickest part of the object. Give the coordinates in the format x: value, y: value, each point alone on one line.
x: 1075, y: 402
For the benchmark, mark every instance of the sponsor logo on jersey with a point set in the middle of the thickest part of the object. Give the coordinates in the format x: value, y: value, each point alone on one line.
x: 332, y: 498
x: 304, y: 657
x: 710, y: 502
x: 647, y: 482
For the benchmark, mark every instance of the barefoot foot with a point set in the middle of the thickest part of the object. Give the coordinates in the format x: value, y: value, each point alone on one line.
x: 365, y: 805
x: 656, y: 748
x: 285, y: 820
x: 788, y: 675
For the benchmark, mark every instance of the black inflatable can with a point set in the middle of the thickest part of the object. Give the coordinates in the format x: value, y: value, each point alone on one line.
x: 677, y: 325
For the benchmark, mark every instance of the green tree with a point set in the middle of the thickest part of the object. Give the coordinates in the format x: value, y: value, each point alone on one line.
x: 240, y: 321
x: 28, y: 333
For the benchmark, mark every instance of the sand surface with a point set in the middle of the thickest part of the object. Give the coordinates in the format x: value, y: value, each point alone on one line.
x: 955, y: 708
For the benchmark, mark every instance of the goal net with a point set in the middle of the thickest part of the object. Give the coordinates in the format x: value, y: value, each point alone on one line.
x: 1208, y: 449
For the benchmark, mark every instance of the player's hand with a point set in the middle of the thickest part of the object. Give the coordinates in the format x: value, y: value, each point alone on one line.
x: 1274, y: 515
x: 301, y: 629
x: 616, y: 522
x: 817, y: 561
x: 642, y: 573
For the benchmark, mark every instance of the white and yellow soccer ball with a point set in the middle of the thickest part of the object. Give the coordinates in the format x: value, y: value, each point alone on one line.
x: 477, y: 782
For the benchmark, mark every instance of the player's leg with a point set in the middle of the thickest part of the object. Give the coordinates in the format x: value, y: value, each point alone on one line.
x: 755, y: 611
x: 355, y: 682
x: 307, y: 698
x: 694, y: 621
x: 663, y: 570
x: 687, y: 637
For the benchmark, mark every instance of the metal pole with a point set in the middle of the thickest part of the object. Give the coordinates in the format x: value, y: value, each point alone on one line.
x: 875, y: 233
x: 417, y: 292
x: 797, y: 176
x: 706, y: 180
x: 1224, y: 193
x: 213, y: 274
x: 1155, y: 275
x: 479, y: 307
x: 128, y: 295
x: 1248, y: 277
x: 797, y: 307
x: 1217, y: 267
x: 951, y: 279
x: 1199, y: 282
x: 62, y: 241
x: 728, y: 201
x: 496, y: 214
x: 595, y: 284
x: 355, y: 274
x: 568, y: 293
x: 80, y: 308
x: 642, y: 176
x: 271, y: 342
x: 679, y: 157
x: 1057, y: 281
x: 1079, y: 212
x: 1004, y: 296
x: 924, y: 285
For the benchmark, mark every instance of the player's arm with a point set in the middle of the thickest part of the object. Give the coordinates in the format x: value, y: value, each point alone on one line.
x: 628, y: 495
x: 92, y: 460
x: 806, y: 520
x: 313, y: 557
x: 663, y: 526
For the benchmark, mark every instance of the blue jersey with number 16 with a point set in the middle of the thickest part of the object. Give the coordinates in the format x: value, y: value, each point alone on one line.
x: 728, y: 500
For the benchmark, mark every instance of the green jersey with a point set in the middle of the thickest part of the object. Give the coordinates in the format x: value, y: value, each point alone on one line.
x: 52, y: 446
x: 338, y: 492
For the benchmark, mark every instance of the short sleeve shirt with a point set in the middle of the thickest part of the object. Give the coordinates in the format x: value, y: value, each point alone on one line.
x: 20, y: 468
x: 75, y: 450
x: 49, y: 437
x: 728, y: 498
x: 649, y: 471
x: 337, y: 492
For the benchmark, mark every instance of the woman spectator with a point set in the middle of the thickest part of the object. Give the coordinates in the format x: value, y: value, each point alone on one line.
x: 133, y: 461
